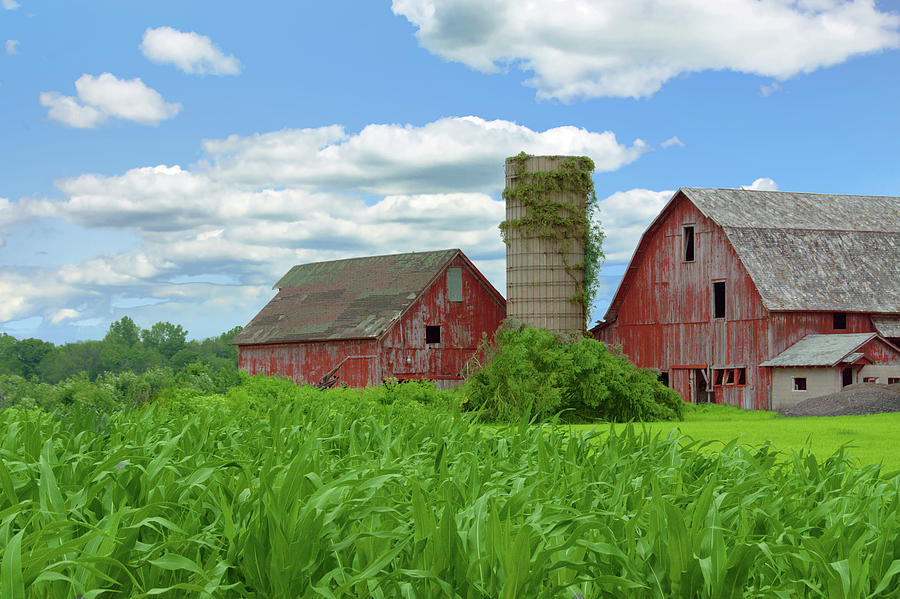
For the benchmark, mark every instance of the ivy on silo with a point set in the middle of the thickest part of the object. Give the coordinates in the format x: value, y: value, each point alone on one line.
x: 560, y: 221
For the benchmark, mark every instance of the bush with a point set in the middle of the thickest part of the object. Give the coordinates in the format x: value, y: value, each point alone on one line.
x: 533, y: 374
x: 18, y: 392
x: 137, y: 389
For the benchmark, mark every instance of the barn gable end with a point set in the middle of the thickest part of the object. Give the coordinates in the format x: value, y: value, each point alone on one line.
x: 723, y: 280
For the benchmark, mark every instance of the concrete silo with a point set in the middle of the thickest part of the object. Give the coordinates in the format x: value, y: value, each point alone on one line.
x: 545, y: 228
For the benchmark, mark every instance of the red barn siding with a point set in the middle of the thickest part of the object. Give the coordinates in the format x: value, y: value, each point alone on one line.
x: 308, y: 362
x: 404, y: 353
x: 879, y: 352
x: 665, y: 316
x: 401, y: 351
x: 787, y: 328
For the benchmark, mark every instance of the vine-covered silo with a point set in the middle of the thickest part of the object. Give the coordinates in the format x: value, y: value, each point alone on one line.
x: 549, y: 200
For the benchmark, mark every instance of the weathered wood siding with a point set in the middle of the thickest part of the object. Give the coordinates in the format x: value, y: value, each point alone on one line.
x: 787, y: 328
x: 403, y: 350
x: 665, y: 317
x: 308, y: 362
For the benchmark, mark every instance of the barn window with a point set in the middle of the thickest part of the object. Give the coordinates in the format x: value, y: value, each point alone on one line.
x: 719, y: 299
x: 741, y: 376
x: 729, y: 376
x: 840, y: 320
x: 687, y: 243
x: 454, y: 284
x: 870, y: 379
x: 719, y: 377
x: 893, y: 380
x: 664, y: 378
x: 433, y: 334
x: 799, y: 383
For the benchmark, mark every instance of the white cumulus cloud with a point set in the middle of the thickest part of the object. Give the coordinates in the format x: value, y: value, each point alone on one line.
x: 580, y: 49
x: 64, y: 314
x: 189, y: 51
x: 762, y: 184
x: 671, y: 142
x: 107, y: 96
x: 67, y: 110
x: 12, y: 47
x: 448, y: 155
x: 10, y: 4
x: 624, y: 216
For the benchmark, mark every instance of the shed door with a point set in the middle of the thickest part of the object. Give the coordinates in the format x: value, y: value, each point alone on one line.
x: 847, y: 376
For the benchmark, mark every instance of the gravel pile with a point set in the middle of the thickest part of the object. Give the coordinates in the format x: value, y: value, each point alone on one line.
x: 862, y: 398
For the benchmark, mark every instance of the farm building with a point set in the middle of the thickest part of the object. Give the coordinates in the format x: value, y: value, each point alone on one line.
x: 761, y: 298
x: 411, y: 316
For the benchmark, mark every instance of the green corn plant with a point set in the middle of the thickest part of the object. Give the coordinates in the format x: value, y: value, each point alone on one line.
x: 311, y: 494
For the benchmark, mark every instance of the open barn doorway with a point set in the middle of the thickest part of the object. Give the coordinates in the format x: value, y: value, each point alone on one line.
x: 699, y: 386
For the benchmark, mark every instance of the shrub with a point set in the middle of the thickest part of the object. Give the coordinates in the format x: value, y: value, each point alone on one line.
x: 531, y: 373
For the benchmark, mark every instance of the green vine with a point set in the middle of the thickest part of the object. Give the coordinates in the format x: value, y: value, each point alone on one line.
x: 561, y: 221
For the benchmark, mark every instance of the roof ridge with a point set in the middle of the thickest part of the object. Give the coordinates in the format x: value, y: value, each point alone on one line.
x: 816, y: 230
x: 782, y: 191
x: 376, y: 256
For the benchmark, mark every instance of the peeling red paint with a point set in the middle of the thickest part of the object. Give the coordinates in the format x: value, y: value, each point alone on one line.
x: 663, y: 312
x: 401, y: 351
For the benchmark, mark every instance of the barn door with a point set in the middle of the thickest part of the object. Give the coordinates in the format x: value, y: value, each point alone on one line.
x: 699, y: 385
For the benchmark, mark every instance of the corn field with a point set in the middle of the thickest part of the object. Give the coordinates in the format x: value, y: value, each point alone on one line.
x: 305, y: 501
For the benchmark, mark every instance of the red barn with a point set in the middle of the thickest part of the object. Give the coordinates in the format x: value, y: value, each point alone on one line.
x: 724, y: 281
x: 411, y: 316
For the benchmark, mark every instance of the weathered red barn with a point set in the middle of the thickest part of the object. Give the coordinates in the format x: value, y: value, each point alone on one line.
x: 724, y: 280
x: 411, y: 316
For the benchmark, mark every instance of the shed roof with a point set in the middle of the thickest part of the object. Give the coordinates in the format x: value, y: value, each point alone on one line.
x: 822, y: 350
x: 806, y: 251
x: 887, y: 326
x: 356, y: 298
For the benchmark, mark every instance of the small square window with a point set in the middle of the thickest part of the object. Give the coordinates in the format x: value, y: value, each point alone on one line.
x: 870, y: 379
x: 799, y: 383
x: 433, y: 334
x: 893, y: 380
x: 840, y: 321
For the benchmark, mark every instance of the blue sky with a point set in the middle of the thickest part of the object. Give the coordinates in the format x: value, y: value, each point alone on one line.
x: 170, y: 160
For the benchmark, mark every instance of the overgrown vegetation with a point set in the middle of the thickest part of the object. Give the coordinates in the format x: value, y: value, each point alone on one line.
x: 565, y: 223
x: 274, y: 490
x: 530, y: 373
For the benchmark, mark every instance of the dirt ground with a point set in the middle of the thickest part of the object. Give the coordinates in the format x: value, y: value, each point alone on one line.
x: 862, y: 398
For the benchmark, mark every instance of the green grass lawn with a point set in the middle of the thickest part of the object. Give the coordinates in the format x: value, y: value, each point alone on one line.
x: 870, y: 439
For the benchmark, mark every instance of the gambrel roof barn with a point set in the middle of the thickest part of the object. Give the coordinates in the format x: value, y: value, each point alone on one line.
x: 725, y: 279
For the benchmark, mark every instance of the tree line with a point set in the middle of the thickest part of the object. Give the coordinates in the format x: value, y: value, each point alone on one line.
x: 125, y: 348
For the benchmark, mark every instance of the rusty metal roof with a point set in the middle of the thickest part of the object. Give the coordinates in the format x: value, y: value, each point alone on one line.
x: 344, y: 299
x: 821, y: 350
x: 808, y: 251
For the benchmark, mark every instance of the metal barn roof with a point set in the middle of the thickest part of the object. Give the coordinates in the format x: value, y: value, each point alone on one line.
x: 887, y: 326
x: 822, y: 350
x: 344, y: 299
x: 808, y: 251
